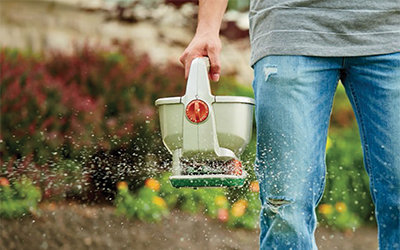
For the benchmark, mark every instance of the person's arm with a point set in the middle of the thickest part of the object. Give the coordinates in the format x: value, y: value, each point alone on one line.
x: 206, y: 41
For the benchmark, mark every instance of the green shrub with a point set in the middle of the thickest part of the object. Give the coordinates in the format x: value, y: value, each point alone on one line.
x: 347, y: 183
x: 18, y: 198
x: 146, y: 205
x: 213, y: 202
x: 342, y: 113
x: 239, y: 5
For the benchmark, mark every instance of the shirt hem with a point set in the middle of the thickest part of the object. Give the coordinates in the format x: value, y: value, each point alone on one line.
x: 322, y: 51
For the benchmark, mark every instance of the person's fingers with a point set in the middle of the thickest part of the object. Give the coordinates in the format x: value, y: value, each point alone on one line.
x: 187, y: 68
x: 215, y: 65
x: 211, y: 50
x: 186, y: 59
x: 183, y: 60
x: 188, y: 63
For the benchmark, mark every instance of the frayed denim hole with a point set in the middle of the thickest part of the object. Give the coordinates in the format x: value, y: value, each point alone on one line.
x: 270, y: 70
x: 275, y: 205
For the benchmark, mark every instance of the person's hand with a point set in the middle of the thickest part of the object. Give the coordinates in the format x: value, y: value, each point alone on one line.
x: 203, y: 45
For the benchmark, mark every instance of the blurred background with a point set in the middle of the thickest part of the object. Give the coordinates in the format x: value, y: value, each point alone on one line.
x: 81, y: 157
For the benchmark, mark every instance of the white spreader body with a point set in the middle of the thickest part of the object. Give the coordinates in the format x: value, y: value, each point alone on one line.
x: 205, y: 134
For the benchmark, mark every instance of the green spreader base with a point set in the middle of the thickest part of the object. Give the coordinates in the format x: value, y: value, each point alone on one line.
x: 216, y: 180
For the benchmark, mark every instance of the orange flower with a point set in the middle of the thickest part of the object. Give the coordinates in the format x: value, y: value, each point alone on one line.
x: 325, y: 209
x: 52, y: 206
x: 4, y: 182
x: 223, y: 214
x: 239, y: 208
x: 341, y: 207
x: 221, y: 201
x: 159, y: 201
x: 254, y: 187
x: 122, y: 185
x: 152, y: 184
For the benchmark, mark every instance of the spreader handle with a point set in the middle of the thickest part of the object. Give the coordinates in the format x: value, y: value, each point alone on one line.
x: 200, y: 138
x: 198, y: 84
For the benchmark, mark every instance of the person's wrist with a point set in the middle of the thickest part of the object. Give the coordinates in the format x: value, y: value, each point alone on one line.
x: 207, y: 31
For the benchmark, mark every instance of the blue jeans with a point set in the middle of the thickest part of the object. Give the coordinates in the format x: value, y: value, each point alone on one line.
x: 294, y: 97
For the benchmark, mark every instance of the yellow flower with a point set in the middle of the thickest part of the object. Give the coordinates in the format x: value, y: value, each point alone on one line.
x: 239, y: 208
x: 341, y: 207
x: 159, y: 201
x: 328, y: 143
x: 122, y: 185
x: 152, y: 184
x: 221, y: 201
x: 254, y: 187
x: 325, y: 209
x: 242, y: 203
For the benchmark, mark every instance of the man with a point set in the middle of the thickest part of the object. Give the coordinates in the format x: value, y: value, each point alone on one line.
x: 300, y: 49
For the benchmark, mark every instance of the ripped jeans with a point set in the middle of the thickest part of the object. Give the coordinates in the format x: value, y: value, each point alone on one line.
x: 294, y: 96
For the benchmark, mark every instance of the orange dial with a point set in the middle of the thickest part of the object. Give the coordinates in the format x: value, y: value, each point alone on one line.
x: 197, y: 111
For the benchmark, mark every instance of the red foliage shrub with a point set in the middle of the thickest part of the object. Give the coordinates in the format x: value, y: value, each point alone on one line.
x: 86, y: 99
x: 72, y: 106
x: 87, y: 117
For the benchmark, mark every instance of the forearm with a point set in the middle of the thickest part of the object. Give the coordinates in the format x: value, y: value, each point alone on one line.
x: 206, y: 41
x: 210, y: 16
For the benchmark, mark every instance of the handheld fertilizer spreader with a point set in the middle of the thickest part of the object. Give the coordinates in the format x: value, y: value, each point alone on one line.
x: 204, y: 133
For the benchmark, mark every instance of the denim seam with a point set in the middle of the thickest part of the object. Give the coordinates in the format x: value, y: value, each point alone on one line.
x: 363, y: 134
x: 322, y: 186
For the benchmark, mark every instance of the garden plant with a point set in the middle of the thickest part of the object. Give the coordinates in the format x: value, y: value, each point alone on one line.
x: 83, y: 126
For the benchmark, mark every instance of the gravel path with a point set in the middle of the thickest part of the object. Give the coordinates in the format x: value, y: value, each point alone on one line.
x: 76, y: 226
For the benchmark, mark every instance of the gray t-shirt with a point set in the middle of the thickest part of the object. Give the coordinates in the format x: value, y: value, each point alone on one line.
x: 324, y: 27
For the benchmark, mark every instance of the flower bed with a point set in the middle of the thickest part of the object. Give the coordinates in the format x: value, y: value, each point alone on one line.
x: 157, y: 197
x: 76, y: 124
